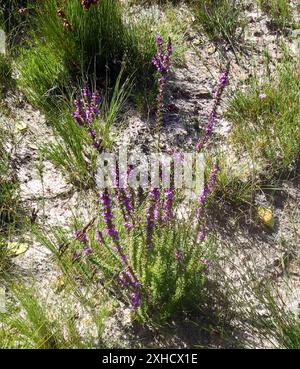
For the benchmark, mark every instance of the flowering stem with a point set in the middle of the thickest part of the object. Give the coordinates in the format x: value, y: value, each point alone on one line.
x: 168, y: 205
x: 126, y: 202
x: 86, y: 4
x: 223, y: 82
x: 207, y: 190
x: 152, y: 214
x: 161, y: 61
x: 86, y: 112
x: 128, y: 275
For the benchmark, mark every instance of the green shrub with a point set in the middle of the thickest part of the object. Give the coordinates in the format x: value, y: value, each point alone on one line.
x: 172, y: 272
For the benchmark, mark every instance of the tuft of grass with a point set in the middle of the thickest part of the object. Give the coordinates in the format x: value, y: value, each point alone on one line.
x: 283, y: 325
x: 13, y: 20
x: 12, y: 214
x: 265, y: 120
x: 72, y: 151
x: 10, y: 205
x: 96, y: 46
x: 28, y: 322
x: 43, y: 76
x: 5, y: 73
x: 267, y: 314
x: 4, y: 256
x: 221, y: 20
x: 280, y: 12
x: 233, y: 190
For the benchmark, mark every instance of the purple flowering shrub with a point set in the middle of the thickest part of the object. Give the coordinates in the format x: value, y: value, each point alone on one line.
x: 142, y: 254
x: 139, y: 248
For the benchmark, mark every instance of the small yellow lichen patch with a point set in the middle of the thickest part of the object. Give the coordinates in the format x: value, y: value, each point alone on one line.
x: 266, y: 216
x: 59, y: 284
x: 21, y: 126
x: 16, y: 248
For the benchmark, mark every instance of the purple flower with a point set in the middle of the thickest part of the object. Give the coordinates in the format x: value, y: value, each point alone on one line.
x: 224, y: 81
x: 81, y: 236
x: 127, y: 277
x: 125, y: 200
x: 129, y: 226
x: 129, y: 280
x: 152, y: 214
x: 123, y: 257
x: 112, y: 232
x: 201, y: 234
x: 161, y: 61
x: 168, y: 205
x: 159, y: 40
x: 135, y: 299
x: 123, y: 278
x: 179, y: 255
x: 87, y: 251
x: 108, y: 217
x: 86, y: 111
x: 213, y: 178
x: 86, y: 4
x: 77, y: 255
x: 207, y: 264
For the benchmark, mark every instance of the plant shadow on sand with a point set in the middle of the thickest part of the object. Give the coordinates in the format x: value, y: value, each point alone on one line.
x: 214, y: 326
